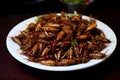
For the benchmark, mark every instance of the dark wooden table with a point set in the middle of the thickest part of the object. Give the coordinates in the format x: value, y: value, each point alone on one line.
x: 11, y: 69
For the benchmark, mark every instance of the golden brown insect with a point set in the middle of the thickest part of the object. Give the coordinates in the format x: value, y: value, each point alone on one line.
x: 48, y: 62
x: 42, y: 35
x: 91, y: 26
x: 16, y: 40
x: 33, y: 51
x: 50, y: 29
x: 97, y: 55
x: 82, y: 37
x: 70, y: 53
x: 31, y: 27
x: 66, y: 62
x: 60, y: 35
x: 58, y: 55
x: 64, y: 43
x: 46, y: 50
x: 53, y: 25
x: 38, y: 27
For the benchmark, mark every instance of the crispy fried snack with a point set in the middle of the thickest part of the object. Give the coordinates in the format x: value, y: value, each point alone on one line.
x: 62, y: 40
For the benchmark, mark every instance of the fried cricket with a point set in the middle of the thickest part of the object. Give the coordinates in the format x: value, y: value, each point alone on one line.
x: 62, y: 40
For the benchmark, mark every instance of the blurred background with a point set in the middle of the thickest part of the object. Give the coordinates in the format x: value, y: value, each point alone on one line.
x: 13, y: 12
x: 11, y: 7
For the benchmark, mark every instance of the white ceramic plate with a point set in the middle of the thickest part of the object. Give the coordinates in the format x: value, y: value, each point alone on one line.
x: 15, y: 51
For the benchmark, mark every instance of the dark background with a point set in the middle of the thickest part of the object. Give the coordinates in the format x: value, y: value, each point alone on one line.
x: 13, y: 12
x: 8, y: 7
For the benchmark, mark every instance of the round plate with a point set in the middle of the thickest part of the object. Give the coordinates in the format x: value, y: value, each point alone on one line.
x: 15, y: 51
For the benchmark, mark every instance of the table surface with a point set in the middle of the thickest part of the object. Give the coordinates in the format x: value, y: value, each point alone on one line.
x: 12, y: 69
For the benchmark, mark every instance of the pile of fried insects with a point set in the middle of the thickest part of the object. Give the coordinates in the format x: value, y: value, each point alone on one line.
x: 62, y: 40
